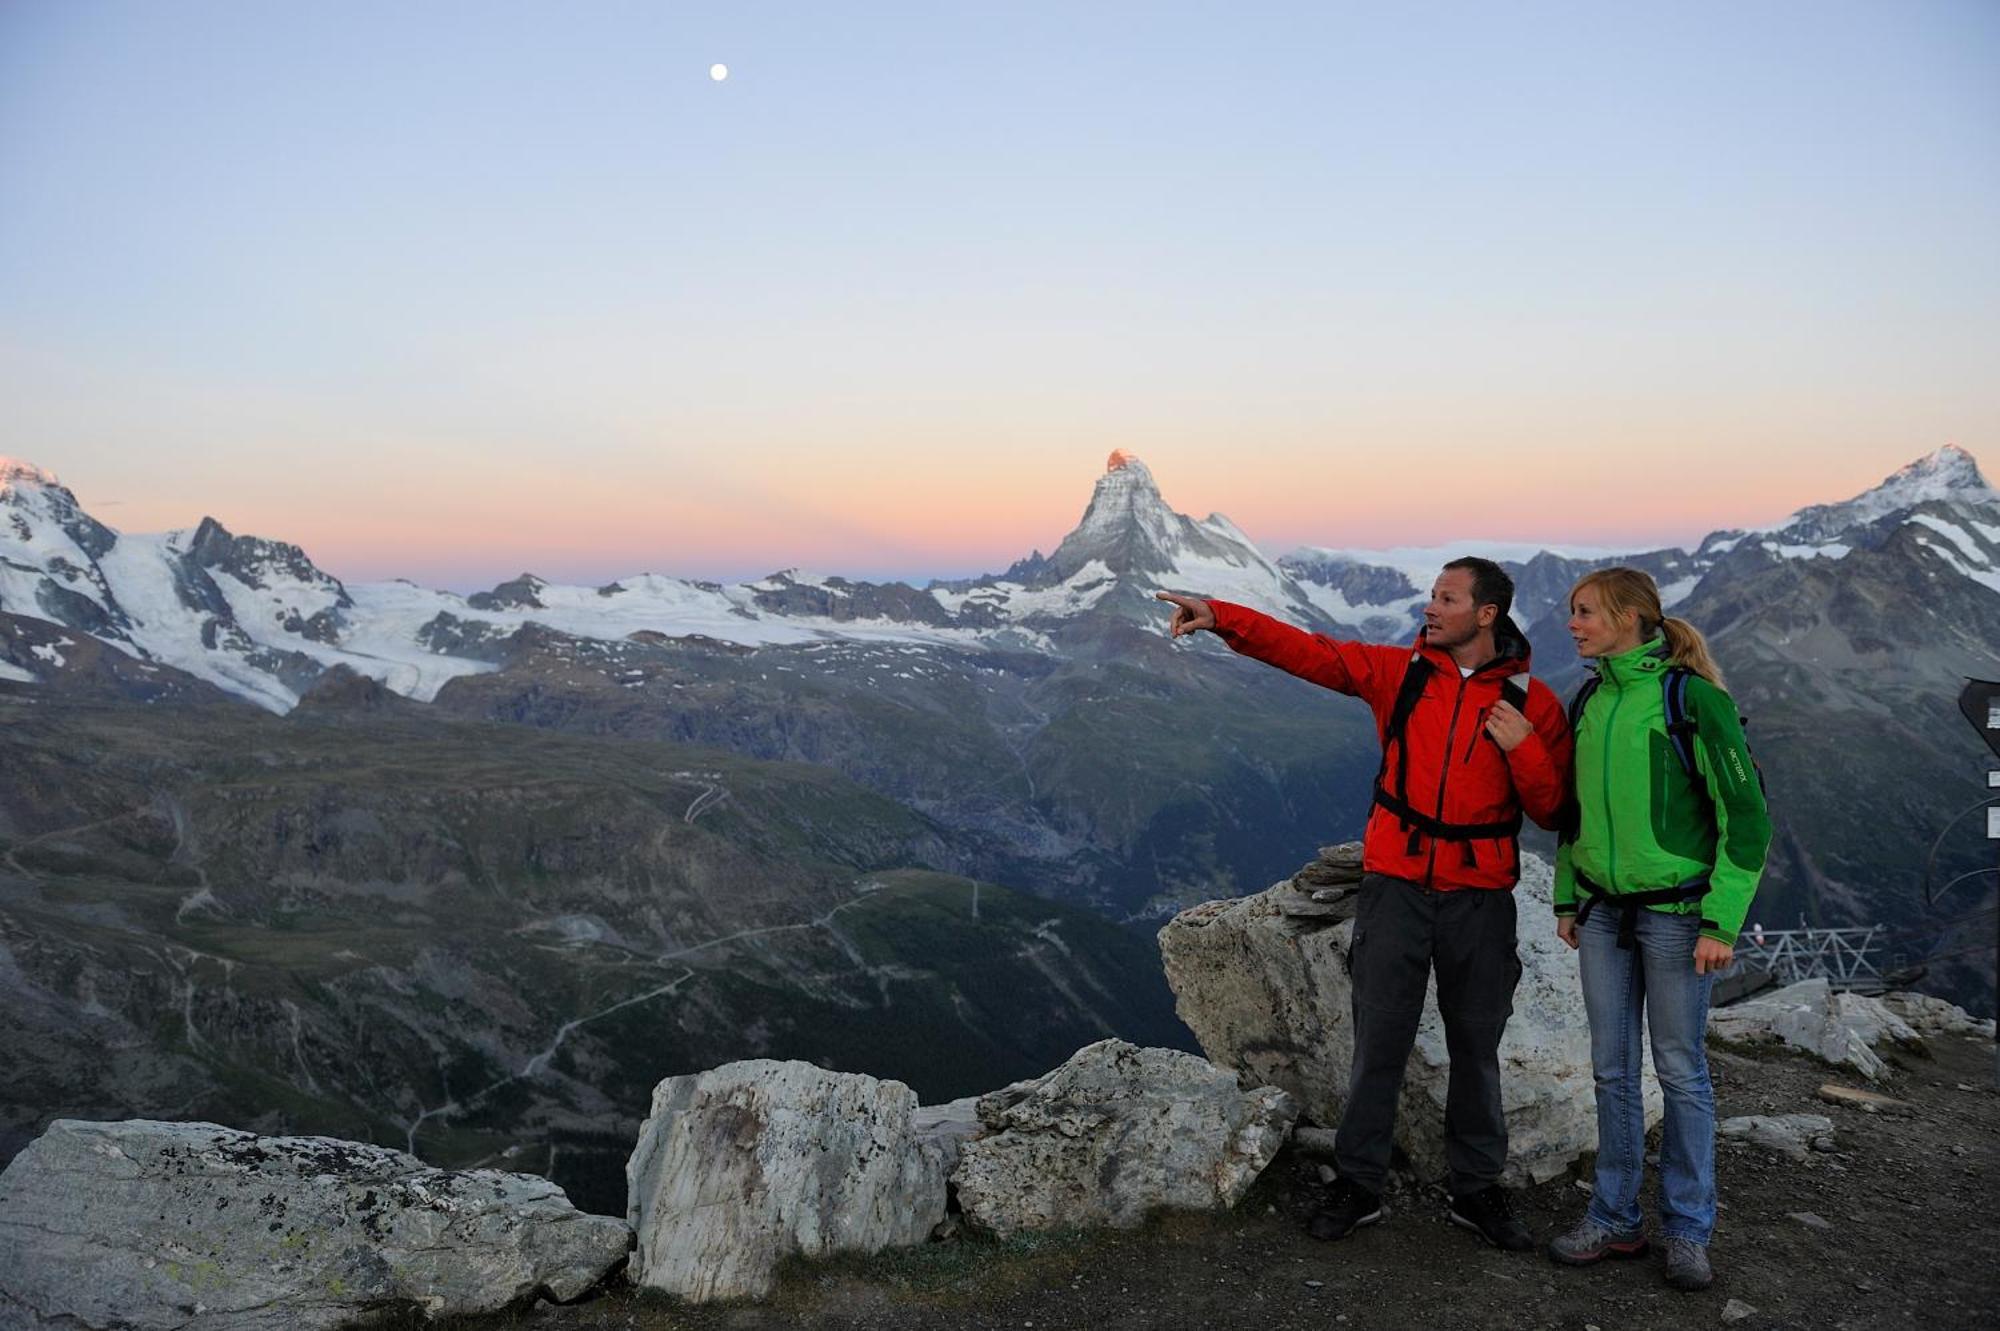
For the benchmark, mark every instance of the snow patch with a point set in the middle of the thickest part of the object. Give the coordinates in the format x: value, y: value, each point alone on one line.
x: 1954, y: 533
x: 1677, y: 591
x: 1988, y: 578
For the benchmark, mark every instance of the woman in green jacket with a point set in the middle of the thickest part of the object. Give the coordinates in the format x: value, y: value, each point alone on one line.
x: 1651, y: 887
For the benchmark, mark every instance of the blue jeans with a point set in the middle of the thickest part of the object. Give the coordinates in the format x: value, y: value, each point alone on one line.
x: 1656, y: 979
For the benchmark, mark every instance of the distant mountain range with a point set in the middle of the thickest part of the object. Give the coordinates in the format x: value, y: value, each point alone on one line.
x: 1010, y: 707
x: 257, y: 618
x: 324, y: 855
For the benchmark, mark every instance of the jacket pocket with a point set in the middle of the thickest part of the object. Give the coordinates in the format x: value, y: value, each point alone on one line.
x: 1681, y: 818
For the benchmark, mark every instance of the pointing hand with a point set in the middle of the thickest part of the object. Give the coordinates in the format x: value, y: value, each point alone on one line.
x: 1190, y: 613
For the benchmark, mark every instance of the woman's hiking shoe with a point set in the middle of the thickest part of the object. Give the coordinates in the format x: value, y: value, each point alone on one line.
x: 1489, y: 1214
x: 1591, y: 1242
x: 1687, y: 1264
x: 1348, y: 1207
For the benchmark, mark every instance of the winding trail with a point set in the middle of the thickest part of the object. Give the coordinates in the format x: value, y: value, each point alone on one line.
x: 38, y: 839
x: 535, y: 1064
x: 539, y: 1062
x: 818, y: 922
x: 713, y: 792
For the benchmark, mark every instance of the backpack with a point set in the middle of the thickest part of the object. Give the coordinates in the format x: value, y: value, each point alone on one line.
x: 1680, y: 723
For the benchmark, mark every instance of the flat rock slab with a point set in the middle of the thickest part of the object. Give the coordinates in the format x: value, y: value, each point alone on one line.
x: 1113, y: 1135
x: 156, y: 1225
x: 1789, y: 1135
x: 745, y: 1165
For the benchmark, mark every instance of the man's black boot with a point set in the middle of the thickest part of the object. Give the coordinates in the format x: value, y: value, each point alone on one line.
x: 1490, y: 1214
x: 1348, y: 1207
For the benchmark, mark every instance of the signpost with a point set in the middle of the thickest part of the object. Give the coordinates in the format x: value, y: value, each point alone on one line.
x: 1980, y: 701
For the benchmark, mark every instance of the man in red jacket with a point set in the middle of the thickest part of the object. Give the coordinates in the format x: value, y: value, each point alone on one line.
x: 1469, y: 742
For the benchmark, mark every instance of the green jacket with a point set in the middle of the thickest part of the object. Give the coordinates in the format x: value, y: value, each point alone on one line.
x: 1642, y: 825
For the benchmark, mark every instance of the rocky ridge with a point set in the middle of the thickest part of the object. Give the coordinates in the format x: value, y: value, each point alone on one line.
x: 737, y: 1170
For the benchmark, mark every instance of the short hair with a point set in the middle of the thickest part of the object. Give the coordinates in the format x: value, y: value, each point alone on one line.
x: 1490, y: 583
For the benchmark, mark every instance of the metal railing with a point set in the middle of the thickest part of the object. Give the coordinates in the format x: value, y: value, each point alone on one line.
x: 1841, y: 956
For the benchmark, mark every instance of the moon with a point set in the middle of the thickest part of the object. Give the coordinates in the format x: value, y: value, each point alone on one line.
x: 718, y: 72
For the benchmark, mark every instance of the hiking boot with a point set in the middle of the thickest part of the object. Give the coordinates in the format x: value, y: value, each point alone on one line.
x: 1687, y: 1264
x: 1589, y: 1242
x: 1490, y: 1214
x: 1348, y: 1207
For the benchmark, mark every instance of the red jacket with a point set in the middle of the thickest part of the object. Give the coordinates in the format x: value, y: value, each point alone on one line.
x: 1456, y: 773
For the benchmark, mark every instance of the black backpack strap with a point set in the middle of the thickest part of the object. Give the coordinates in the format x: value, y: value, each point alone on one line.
x: 1416, y: 676
x: 1571, y: 815
x: 1581, y: 697
x: 1680, y: 720
x: 1421, y: 822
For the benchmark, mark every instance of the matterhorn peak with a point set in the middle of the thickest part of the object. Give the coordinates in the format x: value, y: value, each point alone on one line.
x: 1125, y: 500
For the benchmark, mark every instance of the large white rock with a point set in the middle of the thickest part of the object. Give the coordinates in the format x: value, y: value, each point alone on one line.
x: 1113, y: 1135
x: 745, y: 1165
x: 1841, y: 1028
x: 143, y: 1224
x: 1928, y: 1015
x: 1268, y: 995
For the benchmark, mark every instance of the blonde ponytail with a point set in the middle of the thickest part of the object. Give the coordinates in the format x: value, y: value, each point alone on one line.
x: 1686, y: 647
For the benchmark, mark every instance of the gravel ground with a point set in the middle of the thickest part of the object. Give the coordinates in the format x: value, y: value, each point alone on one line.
x: 1903, y: 1231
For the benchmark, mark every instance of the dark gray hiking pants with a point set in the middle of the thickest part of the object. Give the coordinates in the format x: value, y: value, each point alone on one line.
x: 1402, y: 930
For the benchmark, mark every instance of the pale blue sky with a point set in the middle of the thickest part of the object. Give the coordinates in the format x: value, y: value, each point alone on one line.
x: 448, y: 290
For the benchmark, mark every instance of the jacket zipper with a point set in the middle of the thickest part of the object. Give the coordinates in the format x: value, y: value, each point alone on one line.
x: 1444, y: 777
x: 1610, y: 823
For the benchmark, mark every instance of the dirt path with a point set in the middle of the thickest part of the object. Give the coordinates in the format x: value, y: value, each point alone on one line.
x: 1909, y: 1200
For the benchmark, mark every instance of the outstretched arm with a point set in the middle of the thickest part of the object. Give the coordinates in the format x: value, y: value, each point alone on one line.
x: 1346, y: 667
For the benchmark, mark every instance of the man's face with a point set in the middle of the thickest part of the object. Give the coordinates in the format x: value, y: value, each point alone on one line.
x: 1451, y: 619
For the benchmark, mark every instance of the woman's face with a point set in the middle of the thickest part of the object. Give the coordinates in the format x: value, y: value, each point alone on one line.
x: 1596, y: 632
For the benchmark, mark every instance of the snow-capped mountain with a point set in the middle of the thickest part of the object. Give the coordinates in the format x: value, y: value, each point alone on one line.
x: 1946, y: 480
x: 1129, y: 545
x: 1941, y: 501
x: 1942, y: 496
x: 258, y: 619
